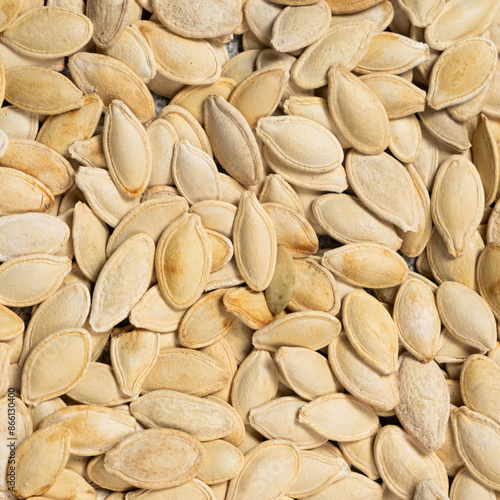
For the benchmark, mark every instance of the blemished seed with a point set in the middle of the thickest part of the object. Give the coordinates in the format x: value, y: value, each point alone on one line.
x: 249, y: 249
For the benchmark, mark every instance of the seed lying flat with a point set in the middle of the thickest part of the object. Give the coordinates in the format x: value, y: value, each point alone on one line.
x: 174, y: 458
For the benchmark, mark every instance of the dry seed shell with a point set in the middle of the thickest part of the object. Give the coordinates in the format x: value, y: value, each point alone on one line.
x: 155, y: 458
x: 280, y: 290
x: 11, y: 324
x: 223, y: 462
x: 204, y: 419
x: 205, y: 322
x: 24, y: 234
x: 366, y: 265
x: 109, y: 204
x: 240, y: 156
x: 126, y: 149
x: 315, y: 288
x: 361, y: 379
x: 249, y: 306
x: 133, y: 355
x: 18, y: 123
x: 334, y: 180
x: 109, y: 20
x: 154, y: 313
x: 377, y: 181
x: 94, y: 429
x: 311, y: 329
x: 186, y: 126
x: 421, y: 13
x: 89, y: 153
x: 427, y: 161
x: 446, y: 129
x: 194, y: 490
x: 98, y: 386
x: 316, y: 109
x: 344, y: 44
x: 425, y: 402
x: 487, y: 276
x: 40, y: 162
x: 70, y: 484
x: 132, y: 49
x: 183, y: 261
x: 350, y: 6
x: 414, y: 243
x: 59, y: 132
x: 274, y: 463
x: 450, y: 26
x: 316, y: 472
x: 427, y: 490
x: 452, y: 350
x: 12, y: 59
x: 462, y: 269
x: 360, y: 455
x: 162, y: 137
x: 332, y: 211
x: 90, y: 236
x: 72, y: 349
x: 48, y: 32
x: 241, y: 65
x: 276, y: 190
x: 405, y: 138
x: 260, y: 16
x: 260, y: 93
x: 306, y: 372
x: 339, y: 417
x: 205, y: 374
x: 470, y: 109
x: 164, y: 86
x: 479, y: 385
x: 380, y: 14
x: 255, y: 243
x: 199, y: 20
x: 417, y: 318
x: 255, y: 383
x: 122, y: 282
x: 351, y: 487
x: 227, y: 276
x: 193, y: 97
x: 392, y: 53
x: 194, y: 173
x: 486, y: 158
x: 150, y: 217
x: 399, y: 97
x: 462, y: 72
x: 41, y: 90
x: 466, y: 315
x: 222, y: 250
x: 402, y: 465
x: 492, y: 106
x: 111, y: 79
x: 46, y: 408
x: 98, y: 475
x: 278, y: 419
x: 313, y: 148
x: 10, y: 10
x: 371, y: 331
x: 477, y: 438
x: 199, y: 64
x: 31, y: 279
x: 48, y: 446
x: 299, y: 27
x: 292, y: 230
x: 67, y: 308
x: 465, y: 485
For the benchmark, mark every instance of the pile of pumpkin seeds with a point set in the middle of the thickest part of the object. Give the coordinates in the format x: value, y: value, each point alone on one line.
x: 188, y: 336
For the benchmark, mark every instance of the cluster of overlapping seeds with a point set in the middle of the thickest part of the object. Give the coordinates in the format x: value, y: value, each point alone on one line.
x: 189, y: 337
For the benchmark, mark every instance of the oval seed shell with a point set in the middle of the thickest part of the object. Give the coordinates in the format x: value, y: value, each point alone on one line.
x: 174, y: 458
x: 122, y: 282
x: 48, y: 32
x: 182, y: 274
